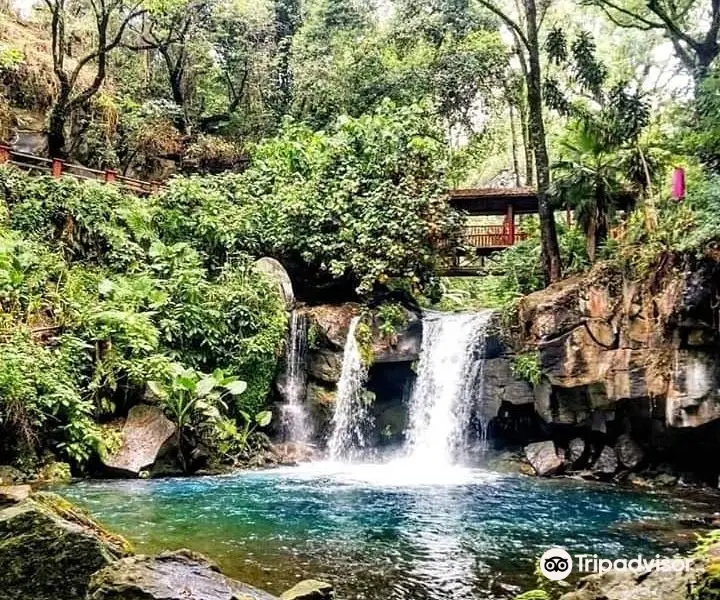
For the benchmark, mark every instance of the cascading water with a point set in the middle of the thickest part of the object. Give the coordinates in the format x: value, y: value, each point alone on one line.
x: 351, y: 417
x: 295, y: 419
x: 448, y: 388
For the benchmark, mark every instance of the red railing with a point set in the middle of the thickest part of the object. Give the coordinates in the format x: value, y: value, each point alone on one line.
x: 57, y: 168
x: 491, y: 236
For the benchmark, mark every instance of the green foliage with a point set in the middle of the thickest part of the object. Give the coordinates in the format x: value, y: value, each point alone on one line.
x: 534, y: 595
x: 45, y: 411
x: 360, y: 203
x: 197, y: 404
x: 527, y: 367
x: 83, y: 268
x: 364, y: 337
x: 515, y: 272
x: 10, y: 59
x: 391, y: 317
x: 690, y: 226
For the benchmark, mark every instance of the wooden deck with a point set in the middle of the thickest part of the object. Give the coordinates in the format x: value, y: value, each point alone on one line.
x: 58, y: 168
x: 477, y: 242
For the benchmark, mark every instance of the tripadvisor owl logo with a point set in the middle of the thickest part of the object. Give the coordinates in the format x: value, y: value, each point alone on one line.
x: 556, y: 564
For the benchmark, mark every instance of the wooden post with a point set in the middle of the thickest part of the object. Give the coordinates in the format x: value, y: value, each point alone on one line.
x: 510, y: 219
x: 568, y: 216
x: 57, y: 167
x: 110, y: 175
x: 4, y: 153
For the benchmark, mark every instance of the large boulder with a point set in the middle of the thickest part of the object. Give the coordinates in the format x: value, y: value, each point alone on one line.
x: 629, y: 452
x: 544, y: 458
x: 181, y: 575
x: 145, y: 432
x: 310, y: 589
x: 272, y: 269
x: 12, y: 494
x: 325, y: 365
x: 624, y: 585
x: 606, y: 463
x: 49, y: 549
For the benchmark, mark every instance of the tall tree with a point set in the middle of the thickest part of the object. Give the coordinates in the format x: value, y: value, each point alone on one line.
x: 527, y: 34
x: 110, y: 20
x: 693, y: 27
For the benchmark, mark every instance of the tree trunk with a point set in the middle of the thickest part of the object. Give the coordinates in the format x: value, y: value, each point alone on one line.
x: 56, y: 131
x: 529, y: 172
x: 513, y: 142
x: 550, y: 249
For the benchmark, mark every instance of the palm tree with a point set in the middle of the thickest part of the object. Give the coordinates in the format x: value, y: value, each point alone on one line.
x: 589, y: 178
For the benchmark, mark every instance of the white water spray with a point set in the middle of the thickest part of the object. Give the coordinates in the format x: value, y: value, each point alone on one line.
x: 351, y: 417
x: 294, y: 415
x: 448, y: 388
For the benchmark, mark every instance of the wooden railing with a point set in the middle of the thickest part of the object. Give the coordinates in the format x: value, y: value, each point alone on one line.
x: 57, y: 168
x: 490, y: 236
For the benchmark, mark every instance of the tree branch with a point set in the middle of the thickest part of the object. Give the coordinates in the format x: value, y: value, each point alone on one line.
x: 507, y: 20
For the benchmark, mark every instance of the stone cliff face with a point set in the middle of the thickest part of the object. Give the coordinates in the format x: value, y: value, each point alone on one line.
x: 389, y: 374
x: 639, y: 359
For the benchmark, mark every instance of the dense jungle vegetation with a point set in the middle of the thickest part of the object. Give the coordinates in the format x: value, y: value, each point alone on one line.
x: 323, y: 133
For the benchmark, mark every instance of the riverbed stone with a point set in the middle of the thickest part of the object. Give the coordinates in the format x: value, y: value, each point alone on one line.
x: 629, y: 452
x: 310, y: 589
x: 606, y: 463
x: 145, y: 432
x: 543, y: 457
x: 49, y: 549
x: 180, y: 575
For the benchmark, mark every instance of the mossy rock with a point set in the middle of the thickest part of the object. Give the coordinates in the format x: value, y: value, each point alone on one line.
x: 180, y: 575
x: 49, y: 549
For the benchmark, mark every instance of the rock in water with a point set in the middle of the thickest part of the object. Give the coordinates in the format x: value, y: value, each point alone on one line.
x: 629, y: 452
x: 606, y: 464
x: 181, y: 575
x: 310, y: 589
x: 49, y: 550
x: 144, y: 433
x: 543, y: 458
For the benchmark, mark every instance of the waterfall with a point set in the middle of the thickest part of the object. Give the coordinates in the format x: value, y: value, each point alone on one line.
x: 295, y: 419
x: 448, y: 390
x: 351, y: 411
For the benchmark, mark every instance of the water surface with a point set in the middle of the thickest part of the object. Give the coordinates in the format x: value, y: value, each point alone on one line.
x: 373, y: 531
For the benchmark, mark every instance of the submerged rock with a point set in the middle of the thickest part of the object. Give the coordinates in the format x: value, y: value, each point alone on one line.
x: 181, y: 575
x: 310, y: 589
x: 543, y: 458
x: 49, y: 549
x: 144, y: 434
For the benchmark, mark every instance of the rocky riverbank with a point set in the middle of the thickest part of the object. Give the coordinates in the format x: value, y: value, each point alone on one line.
x: 52, y: 550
